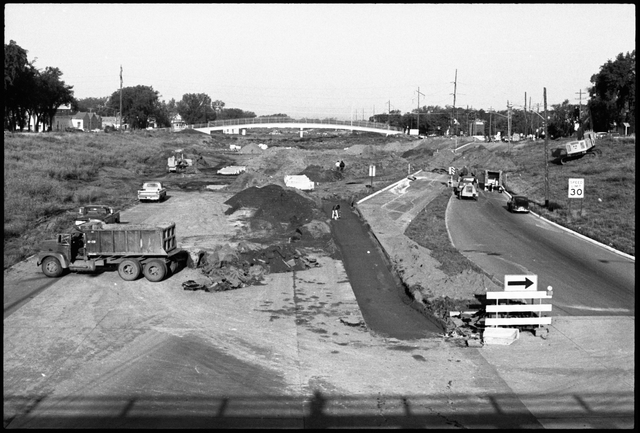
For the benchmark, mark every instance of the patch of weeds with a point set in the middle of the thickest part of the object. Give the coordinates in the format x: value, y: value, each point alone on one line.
x: 428, y: 229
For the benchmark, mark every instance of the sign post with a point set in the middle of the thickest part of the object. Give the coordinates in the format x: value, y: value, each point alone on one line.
x: 576, y: 190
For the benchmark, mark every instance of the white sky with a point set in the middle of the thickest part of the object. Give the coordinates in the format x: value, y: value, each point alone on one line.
x: 328, y: 60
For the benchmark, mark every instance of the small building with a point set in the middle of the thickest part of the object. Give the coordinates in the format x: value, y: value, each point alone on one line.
x: 86, y: 121
x: 177, y: 123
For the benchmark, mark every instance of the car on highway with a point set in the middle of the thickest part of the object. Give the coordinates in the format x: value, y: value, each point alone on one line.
x: 469, y: 191
x: 518, y: 203
x: 440, y: 171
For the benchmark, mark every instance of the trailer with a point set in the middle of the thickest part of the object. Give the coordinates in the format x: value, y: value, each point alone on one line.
x: 577, y: 149
x: 493, y: 180
x: 134, y: 249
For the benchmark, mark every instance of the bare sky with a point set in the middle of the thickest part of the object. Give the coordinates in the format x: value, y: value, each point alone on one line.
x: 328, y: 60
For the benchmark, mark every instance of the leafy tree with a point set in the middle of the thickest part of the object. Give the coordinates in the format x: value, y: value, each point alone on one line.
x: 613, y: 93
x: 196, y: 108
x: 276, y: 115
x: 561, y: 123
x: 30, y: 92
x: 18, y: 79
x: 97, y: 105
x: 51, y: 93
x: 235, y: 113
x: 139, y: 103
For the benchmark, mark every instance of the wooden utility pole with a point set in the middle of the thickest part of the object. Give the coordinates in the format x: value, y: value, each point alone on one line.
x: 580, y: 106
x: 490, y: 116
x: 508, y: 126
x: 120, y: 126
x: 525, y: 114
x: 453, y: 109
x: 546, y: 153
x: 418, y: 119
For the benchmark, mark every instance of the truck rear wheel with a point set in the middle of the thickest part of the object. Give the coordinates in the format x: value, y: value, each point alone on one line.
x: 155, y: 270
x: 51, y: 267
x: 129, y: 269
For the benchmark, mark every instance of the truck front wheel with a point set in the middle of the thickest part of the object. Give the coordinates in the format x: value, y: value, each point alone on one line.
x: 51, y: 267
x: 129, y: 269
x: 155, y: 270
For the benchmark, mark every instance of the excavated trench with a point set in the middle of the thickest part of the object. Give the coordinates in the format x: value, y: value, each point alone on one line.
x: 386, y: 307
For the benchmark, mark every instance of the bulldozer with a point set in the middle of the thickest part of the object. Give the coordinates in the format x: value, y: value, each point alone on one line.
x: 577, y: 149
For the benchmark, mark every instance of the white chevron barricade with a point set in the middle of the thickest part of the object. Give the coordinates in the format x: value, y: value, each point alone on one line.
x: 494, y: 335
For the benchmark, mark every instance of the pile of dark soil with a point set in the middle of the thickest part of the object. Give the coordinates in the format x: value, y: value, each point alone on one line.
x: 282, y: 208
x: 321, y: 174
x: 230, y: 269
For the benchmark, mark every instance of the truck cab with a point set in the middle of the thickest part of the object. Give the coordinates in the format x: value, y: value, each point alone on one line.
x: 66, y: 251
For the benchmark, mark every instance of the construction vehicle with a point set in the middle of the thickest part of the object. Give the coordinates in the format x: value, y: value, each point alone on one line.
x: 178, y: 164
x: 493, y: 180
x: 577, y: 149
x: 153, y: 191
x: 134, y: 249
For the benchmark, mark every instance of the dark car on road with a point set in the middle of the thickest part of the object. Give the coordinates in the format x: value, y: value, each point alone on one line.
x: 518, y: 203
x: 97, y: 212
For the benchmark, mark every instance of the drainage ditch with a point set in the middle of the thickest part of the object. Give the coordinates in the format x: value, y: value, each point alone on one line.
x: 385, y: 302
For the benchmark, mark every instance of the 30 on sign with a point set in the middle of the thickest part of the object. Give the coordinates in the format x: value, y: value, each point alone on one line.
x: 576, y: 188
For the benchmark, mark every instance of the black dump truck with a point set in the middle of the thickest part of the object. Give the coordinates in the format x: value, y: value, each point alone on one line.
x: 134, y: 249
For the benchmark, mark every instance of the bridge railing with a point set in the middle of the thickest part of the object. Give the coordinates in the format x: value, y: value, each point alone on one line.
x: 271, y: 120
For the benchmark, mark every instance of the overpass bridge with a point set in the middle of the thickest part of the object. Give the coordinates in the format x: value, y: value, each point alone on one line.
x: 234, y: 126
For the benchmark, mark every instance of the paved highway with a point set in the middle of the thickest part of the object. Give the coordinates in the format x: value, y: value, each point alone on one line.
x: 587, y: 279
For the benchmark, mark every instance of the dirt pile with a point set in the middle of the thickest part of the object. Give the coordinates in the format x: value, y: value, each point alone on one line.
x: 285, y: 220
x: 283, y: 209
x: 229, y: 268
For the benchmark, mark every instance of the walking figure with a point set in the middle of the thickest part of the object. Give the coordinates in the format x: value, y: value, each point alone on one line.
x: 335, y: 214
x: 338, y: 165
x: 341, y: 165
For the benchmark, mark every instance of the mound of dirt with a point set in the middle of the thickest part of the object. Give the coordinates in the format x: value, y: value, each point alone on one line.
x: 480, y: 158
x: 281, y: 207
x: 232, y: 269
x: 321, y: 174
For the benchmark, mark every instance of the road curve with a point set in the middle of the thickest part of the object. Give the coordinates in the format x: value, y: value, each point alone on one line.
x: 587, y: 279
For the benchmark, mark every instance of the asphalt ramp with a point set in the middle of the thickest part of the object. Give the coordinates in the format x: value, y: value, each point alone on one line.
x: 386, y: 308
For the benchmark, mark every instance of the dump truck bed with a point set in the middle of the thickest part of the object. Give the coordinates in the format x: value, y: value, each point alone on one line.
x: 130, y: 239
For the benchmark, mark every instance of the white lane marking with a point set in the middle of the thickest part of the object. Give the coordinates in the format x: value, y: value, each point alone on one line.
x: 582, y: 307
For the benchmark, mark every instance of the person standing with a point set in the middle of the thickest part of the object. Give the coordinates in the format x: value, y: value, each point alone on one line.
x: 335, y: 212
x: 341, y: 165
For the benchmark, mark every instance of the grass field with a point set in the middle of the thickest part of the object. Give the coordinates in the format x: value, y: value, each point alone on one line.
x: 48, y: 176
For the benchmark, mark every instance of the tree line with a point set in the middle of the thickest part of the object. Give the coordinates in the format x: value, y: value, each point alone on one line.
x: 33, y: 93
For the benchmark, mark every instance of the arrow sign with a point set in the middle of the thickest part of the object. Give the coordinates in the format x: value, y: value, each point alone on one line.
x: 521, y: 282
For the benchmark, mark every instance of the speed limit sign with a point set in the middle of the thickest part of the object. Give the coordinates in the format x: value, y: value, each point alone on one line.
x: 576, y: 188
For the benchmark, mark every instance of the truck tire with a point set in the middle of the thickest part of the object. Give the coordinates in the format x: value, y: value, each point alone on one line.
x: 51, y: 267
x: 129, y: 269
x: 155, y: 270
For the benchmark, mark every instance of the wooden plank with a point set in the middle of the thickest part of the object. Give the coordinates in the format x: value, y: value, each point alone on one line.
x: 510, y: 308
x: 491, y: 321
x: 520, y: 294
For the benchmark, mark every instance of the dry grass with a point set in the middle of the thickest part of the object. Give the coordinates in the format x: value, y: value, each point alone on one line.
x: 607, y: 212
x: 48, y: 176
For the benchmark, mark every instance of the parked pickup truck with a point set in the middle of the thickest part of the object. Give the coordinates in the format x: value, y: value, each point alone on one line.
x: 152, y: 191
x: 97, y: 212
x: 134, y: 249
